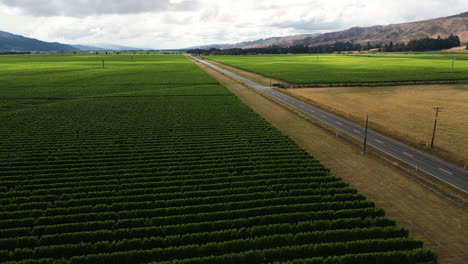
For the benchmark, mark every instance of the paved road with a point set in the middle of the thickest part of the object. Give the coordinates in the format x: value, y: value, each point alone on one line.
x: 441, y: 170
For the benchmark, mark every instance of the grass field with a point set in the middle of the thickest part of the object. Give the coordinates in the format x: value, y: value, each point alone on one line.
x: 307, y: 69
x: 152, y: 161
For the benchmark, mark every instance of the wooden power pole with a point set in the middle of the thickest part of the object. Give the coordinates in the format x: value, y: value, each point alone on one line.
x: 365, y: 135
x: 438, y: 110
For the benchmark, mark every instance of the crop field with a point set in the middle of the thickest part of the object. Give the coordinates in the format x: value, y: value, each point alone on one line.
x: 330, y: 69
x: 150, y: 160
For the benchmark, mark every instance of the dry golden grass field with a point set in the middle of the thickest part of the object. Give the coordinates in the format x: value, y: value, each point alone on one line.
x: 403, y: 112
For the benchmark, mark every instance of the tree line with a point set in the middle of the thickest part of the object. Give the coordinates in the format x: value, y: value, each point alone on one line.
x: 14, y: 52
x: 424, y: 44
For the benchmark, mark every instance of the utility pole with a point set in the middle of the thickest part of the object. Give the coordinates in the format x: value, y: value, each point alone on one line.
x: 103, y: 64
x: 438, y: 110
x: 453, y: 65
x: 365, y: 135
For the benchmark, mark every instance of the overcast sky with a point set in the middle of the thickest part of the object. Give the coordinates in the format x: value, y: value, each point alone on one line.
x: 182, y: 23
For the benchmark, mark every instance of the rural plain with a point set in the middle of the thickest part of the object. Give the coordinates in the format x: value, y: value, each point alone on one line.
x: 233, y: 132
x: 401, y: 111
x: 148, y: 159
x: 429, y: 216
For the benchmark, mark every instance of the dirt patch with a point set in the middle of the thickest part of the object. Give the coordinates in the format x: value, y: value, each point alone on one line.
x: 429, y: 216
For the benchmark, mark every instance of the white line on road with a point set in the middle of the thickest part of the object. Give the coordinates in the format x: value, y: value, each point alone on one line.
x: 323, y: 116
x: 339, y: 123
x: 446, y: 171
x: 409, y: 155
x: 357, y: 131
x: 381, y: 142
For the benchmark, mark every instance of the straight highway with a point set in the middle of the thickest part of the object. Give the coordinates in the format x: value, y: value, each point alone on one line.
x: 434, y: 167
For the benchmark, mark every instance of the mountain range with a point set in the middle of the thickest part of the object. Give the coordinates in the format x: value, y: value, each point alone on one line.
x: 260, y: 42
x: 104, y: 47
x: 12, y: 42
x: 396, y: 33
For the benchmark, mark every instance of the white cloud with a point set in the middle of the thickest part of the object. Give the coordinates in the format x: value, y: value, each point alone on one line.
x: 81, y: 8
x: 183, y: 23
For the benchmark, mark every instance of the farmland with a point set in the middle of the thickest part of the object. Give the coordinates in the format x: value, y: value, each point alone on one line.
x: 332, y: 69
x: 403, y: 112
x: 149, y: 160
x: 428, y: 216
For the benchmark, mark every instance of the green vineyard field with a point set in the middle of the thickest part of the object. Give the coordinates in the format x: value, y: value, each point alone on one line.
x: 150, y: 160
x: 333, y: 68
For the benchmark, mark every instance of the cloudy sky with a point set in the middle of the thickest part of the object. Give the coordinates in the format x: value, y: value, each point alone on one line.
x: 182, y: 23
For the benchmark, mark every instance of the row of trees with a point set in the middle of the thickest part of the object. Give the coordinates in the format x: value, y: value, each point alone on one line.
x: 424, y: 44
x: 300, y: 49
x: 14, y: 52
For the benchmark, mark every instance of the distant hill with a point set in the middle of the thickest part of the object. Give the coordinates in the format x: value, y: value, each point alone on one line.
x: 86, y: 48
x: 106, y: 46
x: 212, y: 46
x: 457, y: 25
x: 11, y: 42
x: 261, y: 42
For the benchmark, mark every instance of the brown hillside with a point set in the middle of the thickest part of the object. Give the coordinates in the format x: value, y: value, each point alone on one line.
x: 457, y: 25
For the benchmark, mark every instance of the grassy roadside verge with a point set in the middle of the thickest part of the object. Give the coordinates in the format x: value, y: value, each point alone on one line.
x: 426, y: 214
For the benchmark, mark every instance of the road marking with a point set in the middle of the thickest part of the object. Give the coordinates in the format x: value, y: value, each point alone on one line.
x: 446, y: 171
x: 409, y: 155
x: 339, y: 123
x: 302, y: 106
x: 381, y: 142
x: 323, y: 116
x: 357, y: 131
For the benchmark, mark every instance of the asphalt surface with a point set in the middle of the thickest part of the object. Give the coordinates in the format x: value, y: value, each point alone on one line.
x: 454, y: 176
